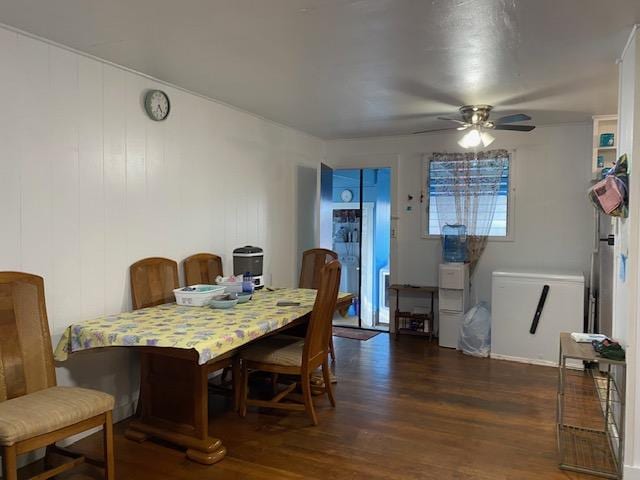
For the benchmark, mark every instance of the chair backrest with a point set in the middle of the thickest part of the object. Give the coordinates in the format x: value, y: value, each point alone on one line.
x: 316, y: 344
x: 312, y: 262
x: 202, y: 268
x: 153, y: 281
x: 26, y: 355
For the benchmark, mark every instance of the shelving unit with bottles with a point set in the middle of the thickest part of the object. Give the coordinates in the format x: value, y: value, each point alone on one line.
x: 608, y: 154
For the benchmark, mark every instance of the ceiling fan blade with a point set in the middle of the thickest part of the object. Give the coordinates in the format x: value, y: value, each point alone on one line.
x: 518, y: 117
x: 461, y: 122
x: 435, y: 130
x: 515, y: 128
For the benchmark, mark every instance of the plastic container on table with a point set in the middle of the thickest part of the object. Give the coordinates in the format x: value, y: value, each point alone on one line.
x: 231, y: 286
x: 247, y: 283
x: 197, y: 295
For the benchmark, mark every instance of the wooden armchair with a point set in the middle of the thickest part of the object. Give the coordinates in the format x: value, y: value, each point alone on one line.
x: 153, y: 281
x: 312, y: 262
x: 34, y: 412
x: 288, y: 355
x: 202, y: 268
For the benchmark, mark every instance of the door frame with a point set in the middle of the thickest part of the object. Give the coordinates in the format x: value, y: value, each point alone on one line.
x: 391, y: 161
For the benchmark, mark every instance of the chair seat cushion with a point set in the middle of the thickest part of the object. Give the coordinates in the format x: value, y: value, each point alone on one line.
x: 282, y: 350
x: 49, y: 410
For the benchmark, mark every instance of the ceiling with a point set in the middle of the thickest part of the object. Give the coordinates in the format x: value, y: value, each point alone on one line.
x: 354, y: 68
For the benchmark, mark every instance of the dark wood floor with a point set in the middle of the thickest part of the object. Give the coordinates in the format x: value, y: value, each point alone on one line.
x: 406, y: 410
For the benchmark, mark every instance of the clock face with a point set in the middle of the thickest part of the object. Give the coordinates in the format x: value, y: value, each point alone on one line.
x: 346, y: 195
x: 156, y: 103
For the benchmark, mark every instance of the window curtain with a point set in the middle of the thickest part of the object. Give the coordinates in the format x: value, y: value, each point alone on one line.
x: 465, y: 187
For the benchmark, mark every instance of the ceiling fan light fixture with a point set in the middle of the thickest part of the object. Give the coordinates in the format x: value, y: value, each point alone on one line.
x: 471, y: 139
x: 474, y: 138
x: 475, y: 119
x: 487, y: 139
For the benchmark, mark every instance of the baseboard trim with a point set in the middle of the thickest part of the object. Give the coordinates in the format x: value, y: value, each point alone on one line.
x: 572, y: 364
x: 631, y: 472
x: 124, y: 411
x: 531, y: 361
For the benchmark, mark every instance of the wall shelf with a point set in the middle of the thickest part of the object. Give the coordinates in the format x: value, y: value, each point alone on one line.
x: 603, y: 124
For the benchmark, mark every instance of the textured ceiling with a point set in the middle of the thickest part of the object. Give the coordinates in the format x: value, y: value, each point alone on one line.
x: 338, y: 68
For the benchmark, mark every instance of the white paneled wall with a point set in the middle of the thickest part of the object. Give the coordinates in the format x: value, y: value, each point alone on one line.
x: 89, y: 184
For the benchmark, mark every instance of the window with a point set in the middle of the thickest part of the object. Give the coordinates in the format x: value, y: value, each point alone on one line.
x: 501, y: 224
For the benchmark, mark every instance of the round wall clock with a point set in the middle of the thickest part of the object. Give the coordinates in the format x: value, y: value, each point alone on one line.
x: 157, y: 105
x: 346, y: 195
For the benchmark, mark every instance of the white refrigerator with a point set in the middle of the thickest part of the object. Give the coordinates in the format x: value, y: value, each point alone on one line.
x: 515, y: 297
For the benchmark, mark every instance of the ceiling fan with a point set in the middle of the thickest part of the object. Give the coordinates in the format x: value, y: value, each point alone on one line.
x: 476, y: 118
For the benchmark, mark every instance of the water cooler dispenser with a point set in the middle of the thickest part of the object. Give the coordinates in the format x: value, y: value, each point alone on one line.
x: 453, y: 301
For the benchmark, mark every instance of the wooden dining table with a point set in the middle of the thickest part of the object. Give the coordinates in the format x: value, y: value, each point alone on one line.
x: 179, y: 348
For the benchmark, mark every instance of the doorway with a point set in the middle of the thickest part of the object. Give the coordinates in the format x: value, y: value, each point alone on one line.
x: 361, y: 236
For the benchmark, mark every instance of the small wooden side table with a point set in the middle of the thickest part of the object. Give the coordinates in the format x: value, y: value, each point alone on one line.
x: 420, y: 318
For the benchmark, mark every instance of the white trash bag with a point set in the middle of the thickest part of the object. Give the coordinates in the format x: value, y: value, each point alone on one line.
x: 475, y: 331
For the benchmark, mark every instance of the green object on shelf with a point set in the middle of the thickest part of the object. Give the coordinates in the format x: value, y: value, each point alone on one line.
x: 609, y: 350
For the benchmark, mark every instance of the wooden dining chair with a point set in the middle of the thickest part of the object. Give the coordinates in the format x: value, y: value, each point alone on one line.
x: 202, y: 268
x: 312, y: 262
x: 35, y: 412
x: 153, y: 281
x: 288, y: 355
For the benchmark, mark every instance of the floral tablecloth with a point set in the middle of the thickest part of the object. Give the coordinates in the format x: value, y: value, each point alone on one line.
x: 211, y: 332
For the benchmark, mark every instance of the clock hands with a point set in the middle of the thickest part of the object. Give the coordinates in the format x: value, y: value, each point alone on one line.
x: 157, y: 104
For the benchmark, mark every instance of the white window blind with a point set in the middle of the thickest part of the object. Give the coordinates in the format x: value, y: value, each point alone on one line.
x: 499, y: 226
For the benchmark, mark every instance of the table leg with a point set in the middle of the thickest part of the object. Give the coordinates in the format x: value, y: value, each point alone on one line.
x: 174, y: 403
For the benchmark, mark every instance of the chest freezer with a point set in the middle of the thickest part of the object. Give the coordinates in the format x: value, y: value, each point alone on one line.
x: 515, y: 296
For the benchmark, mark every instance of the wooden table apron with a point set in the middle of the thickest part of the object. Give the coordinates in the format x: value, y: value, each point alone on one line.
x: 173, y: 403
